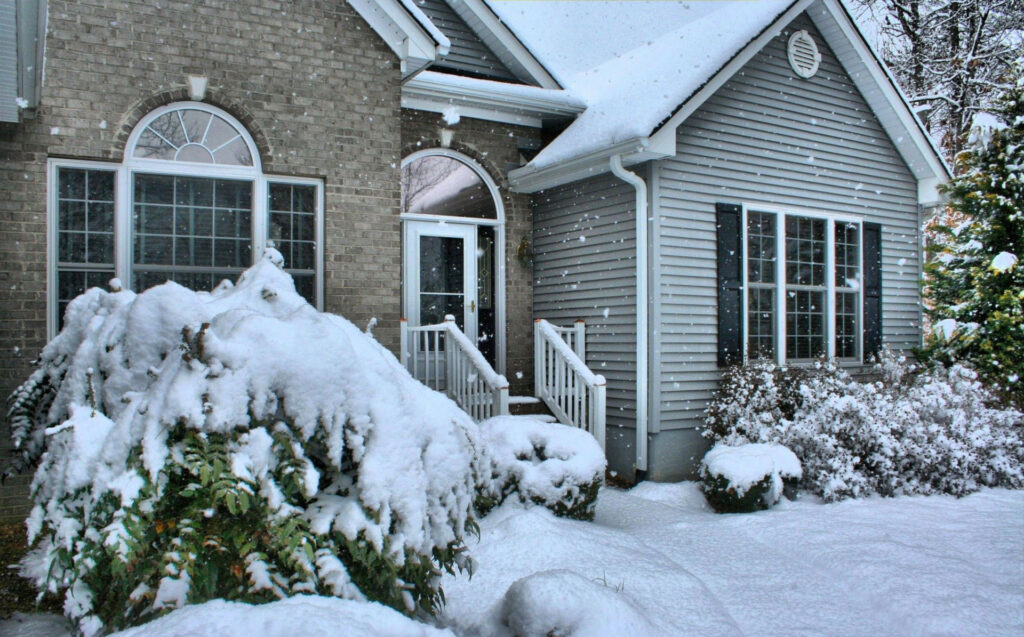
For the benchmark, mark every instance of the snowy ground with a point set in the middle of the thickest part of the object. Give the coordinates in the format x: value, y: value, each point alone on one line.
x: 663, y: 563
x: 903, y: 566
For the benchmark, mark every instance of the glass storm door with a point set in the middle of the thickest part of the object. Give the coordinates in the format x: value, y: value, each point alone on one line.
x: 440, y: 274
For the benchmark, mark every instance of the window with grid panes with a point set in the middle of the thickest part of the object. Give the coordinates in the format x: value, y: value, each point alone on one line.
x: 85, y: 232
x: 821, y: 312
x: 196, y: 210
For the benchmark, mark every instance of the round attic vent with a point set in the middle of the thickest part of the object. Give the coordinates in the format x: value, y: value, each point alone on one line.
x: 804, y: 56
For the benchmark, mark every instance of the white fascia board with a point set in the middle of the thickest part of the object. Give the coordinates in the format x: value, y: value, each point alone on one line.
x: 487, y: 100
x: 529, y: 179
x: 665, y: 136
x: 883, y: 95
x: 410, y: 41
x: 503, y: 42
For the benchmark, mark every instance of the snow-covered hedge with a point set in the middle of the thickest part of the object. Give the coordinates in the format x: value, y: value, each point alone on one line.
x: 240, y: 445
x: 912, y: 431
x: 559, y: 467
x: 564, y: 603
x: 749, y: 477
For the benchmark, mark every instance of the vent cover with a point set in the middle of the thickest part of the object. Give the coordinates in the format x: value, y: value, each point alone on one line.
x: 804, y: 56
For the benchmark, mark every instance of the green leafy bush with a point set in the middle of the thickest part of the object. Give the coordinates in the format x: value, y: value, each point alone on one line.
x: 748, y: 477
x: 548, y: 464
x: 236, y: 445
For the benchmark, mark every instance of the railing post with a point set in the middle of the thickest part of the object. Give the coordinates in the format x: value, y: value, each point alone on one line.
x: 403, y: 344
x: 598, y: 414
x: 501, y: 401
x: 538, y: 359
x: 580, y: 344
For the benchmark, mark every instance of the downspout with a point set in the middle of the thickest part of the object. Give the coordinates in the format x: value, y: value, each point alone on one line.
x: 642, y: 373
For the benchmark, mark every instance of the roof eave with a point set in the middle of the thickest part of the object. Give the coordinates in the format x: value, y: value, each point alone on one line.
x: 530, y: 179
x: 406, y: 31
x: 484, y: 99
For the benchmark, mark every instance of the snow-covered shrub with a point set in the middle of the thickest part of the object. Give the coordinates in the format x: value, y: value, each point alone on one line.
x: 913, y: 431
x: 238, y: 445
x: 564, y: 603
x: 559, y: 467
x: 747, y: 477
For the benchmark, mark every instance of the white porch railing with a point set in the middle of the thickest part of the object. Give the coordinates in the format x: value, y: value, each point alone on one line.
x: 573, y: 393
x: 443, y: 358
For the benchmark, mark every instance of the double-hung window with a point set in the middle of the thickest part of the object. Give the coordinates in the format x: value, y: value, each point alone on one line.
x: 803, y: 296
x: 189, y: 204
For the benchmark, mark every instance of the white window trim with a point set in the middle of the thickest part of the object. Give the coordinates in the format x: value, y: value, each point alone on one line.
x: 499, y: 239
x: 123, y: 203
x: 780, y: 281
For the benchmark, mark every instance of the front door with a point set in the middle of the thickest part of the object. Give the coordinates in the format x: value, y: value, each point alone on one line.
x: 440, y: 274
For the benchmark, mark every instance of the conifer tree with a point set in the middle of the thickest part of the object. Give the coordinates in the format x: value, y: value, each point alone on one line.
x: 975, y: 278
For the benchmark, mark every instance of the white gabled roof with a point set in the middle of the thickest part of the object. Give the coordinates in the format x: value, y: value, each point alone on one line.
x: 407, y: 31
x: 643, y: 67
x: 632, y: 63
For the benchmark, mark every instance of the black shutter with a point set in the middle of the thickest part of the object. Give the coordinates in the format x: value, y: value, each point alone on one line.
x: 872, y: 289
x: 730, y: 284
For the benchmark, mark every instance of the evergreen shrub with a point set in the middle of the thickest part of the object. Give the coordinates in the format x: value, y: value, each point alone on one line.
x: 236, y: 445
x: 538, y: 463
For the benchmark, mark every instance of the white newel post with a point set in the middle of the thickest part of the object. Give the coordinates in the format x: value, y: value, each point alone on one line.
x: 538, y: 360
x: 598, y: 413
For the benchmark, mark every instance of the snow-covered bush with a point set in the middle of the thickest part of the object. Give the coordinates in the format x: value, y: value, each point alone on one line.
x: 564, y: 603
x: 559, y: 467
x: 913, y: 431
x: 240, y: 445
x: 748, y: 477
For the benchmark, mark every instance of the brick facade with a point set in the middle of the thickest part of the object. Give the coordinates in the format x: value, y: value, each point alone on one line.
x: 319, y: 92
x: 312, y: 82
x: 495, y: 147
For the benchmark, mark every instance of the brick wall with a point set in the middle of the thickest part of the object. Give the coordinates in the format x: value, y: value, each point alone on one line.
x: 319, y: 91
x: 496, y: 148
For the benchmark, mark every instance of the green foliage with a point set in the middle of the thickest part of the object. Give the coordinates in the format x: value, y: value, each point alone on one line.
x: 963, y: 285
x: 203, y: 527
x: 725, y: 498
x: 539, y: 463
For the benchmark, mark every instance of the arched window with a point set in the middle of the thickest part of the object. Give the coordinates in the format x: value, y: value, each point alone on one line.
x: 190, y: 204
x: 451, y: 209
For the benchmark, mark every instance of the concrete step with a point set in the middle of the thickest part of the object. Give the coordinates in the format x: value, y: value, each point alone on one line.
x: 526, y: 406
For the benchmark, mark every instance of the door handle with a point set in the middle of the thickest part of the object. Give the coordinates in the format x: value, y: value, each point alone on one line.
x: 472, y: 306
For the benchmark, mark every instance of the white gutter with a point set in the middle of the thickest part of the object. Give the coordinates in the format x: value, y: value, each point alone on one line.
x: 642, y: 372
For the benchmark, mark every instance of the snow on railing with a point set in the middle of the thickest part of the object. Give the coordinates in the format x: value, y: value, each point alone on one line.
x: 573, y: 393
x: 443, y: 358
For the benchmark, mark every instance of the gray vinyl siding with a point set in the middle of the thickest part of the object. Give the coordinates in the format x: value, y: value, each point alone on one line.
x: 8, y: 62
x: 468, y: 54
x: 586, y: 279
x: 769, y: 137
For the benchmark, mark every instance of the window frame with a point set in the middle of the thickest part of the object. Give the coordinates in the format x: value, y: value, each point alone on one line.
x: 124, y: 201
x: 780, y: 286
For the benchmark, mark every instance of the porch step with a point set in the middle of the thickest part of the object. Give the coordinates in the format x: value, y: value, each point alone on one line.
x: 529, y: 406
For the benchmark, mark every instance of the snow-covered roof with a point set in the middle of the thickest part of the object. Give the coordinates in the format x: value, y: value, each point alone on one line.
x: 648, y: 58
x: 642, y: 67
